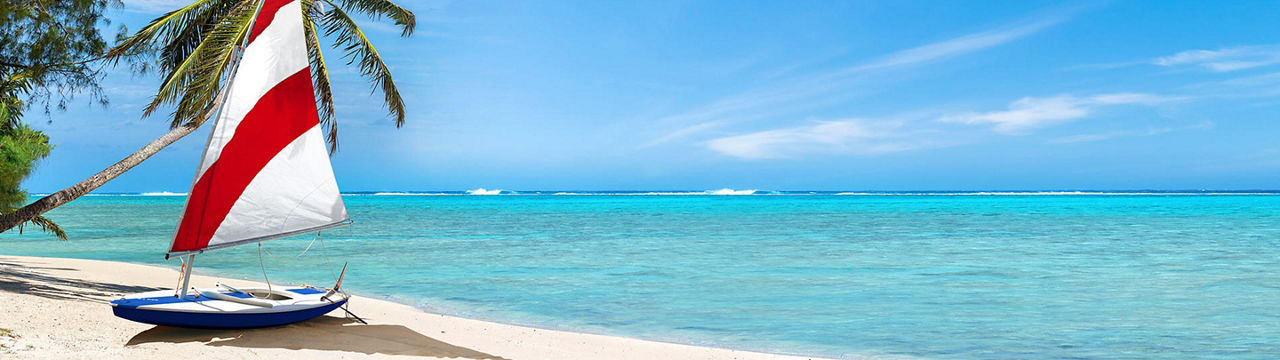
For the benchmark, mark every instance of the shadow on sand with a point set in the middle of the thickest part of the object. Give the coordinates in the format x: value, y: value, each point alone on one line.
x: 323, y: 333
x: 32, y: 279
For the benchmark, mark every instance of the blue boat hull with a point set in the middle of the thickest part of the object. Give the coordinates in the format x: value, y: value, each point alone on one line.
x: 222, y: 320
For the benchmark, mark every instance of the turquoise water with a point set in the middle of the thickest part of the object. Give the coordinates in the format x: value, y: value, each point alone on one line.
x: 940, y: 276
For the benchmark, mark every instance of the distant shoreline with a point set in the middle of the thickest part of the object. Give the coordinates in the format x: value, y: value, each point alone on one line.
x: 749, y: 192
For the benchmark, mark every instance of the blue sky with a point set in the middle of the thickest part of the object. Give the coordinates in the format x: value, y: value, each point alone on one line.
x: 795, y: 95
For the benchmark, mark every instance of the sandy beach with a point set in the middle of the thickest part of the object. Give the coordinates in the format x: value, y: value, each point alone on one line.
x: 57, y: 309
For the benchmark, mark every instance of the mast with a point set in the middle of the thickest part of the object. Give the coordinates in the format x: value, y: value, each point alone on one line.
x: 222, y: 98
x: 186, y: 276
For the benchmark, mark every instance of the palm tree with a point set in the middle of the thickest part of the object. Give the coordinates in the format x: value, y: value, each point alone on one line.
x: 195, y: 47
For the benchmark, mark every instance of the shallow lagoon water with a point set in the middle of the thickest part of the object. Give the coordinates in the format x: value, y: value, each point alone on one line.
x: 938, y: 276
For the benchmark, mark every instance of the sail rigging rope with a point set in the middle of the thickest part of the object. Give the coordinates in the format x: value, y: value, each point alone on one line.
x: 324, y: 251
x: 182, y: 272
x: 264, y: 271
x: 295, y: 257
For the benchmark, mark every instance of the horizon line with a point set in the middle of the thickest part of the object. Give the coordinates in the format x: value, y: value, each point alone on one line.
x: 729, y: 191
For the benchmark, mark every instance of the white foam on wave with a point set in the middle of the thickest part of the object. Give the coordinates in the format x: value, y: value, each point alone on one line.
x: 660, y: 193
x: 1055, y: 193
x: 650, y: 193
x: 482, y: 191
x: 725, y: 191
x: 162, y: 193
x: 1026, y: 193
x: 728, y: 191
x: 982, y: 193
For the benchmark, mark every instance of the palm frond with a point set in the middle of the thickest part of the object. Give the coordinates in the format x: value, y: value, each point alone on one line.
x: 320, y: 76
x: 196, y: 43
x: 185, y: 41
x: 378, y: 8
x: 161, y: 30
x: 359, y: 49
x: 46, y: 225
x: 193, y: 84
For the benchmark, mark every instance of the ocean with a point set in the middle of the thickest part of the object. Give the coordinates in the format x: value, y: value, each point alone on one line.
x: 949, y: 275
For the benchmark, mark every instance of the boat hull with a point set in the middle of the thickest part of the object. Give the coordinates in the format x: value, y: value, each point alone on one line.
x: 198, y: 311
x: 222, y: 320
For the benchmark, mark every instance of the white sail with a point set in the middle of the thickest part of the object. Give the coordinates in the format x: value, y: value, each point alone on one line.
x: 266, y: 171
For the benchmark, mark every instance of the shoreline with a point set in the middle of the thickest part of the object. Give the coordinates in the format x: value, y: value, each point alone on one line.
x: 410, y: 302
x: 59, y: 310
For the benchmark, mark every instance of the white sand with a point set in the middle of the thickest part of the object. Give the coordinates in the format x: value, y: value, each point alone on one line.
x: 57, y: 308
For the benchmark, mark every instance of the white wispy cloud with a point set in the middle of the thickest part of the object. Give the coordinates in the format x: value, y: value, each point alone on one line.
x: 1220, y: 60
x: 850, y: 136
x: 1094, y: 137
x: 1226, y: 59
x: 957, y: 46
x: 1084, y: 138
x: 1030, y: 113
x: 790, y: 95
x: 1264, y: 87
x: 683, y: 132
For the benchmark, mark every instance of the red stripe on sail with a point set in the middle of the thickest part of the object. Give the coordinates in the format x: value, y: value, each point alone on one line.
x: 268, y: 13
x: 282, y: 115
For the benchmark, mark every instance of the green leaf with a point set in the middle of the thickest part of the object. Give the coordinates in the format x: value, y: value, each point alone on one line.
x: 360, y: 50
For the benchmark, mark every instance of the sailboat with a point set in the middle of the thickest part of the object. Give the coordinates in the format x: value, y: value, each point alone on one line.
x: 265, y: 174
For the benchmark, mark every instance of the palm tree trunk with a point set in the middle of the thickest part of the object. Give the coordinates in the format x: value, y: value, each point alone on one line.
x: 32, y: 210
x: 26, y: 213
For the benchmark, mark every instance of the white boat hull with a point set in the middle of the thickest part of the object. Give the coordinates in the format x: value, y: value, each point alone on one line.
x: 219, y: 308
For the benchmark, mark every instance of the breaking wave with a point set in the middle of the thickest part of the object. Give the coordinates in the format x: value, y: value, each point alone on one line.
x: 162, y: 193
x: 482, y: 191
x: 728, y: 191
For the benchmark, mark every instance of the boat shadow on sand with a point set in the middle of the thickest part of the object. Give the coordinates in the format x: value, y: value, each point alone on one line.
x: 323, y: 333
